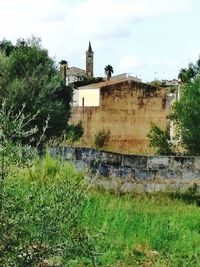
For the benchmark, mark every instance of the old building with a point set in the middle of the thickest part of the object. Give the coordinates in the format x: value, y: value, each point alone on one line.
x: 126, y: 108
x: 89, y: 62
x: 74, y: 74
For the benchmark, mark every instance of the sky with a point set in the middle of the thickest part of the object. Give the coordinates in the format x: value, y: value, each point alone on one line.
x: 150, y: 39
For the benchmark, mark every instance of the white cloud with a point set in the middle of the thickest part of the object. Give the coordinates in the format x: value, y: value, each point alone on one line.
x: 126, y: 63
x: 166, y: 62
x: 91, y: 18
x: 113, y: 18
x: 65, y: 28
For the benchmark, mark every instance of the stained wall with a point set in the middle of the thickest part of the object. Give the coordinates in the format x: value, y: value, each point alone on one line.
x: 132, y: 173
x: 127, y: 110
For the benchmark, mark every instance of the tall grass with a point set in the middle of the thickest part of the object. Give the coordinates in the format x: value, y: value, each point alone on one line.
x: 145, y: 230
x: 48, y: 218
x: 41, y: 214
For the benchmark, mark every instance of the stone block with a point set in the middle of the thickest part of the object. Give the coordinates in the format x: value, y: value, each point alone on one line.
x: 191, y: 174
x: 68, y: 153
x: 153, y: 187
x: 139, y: 162
x: 156, y: 162
x: 110, y: 158
x: 132, y: 187
x: 120, y: 171
x: 197, y: 163
x: 107, y: 184
x: 54, y: 151
x: 164, y: 174
x: 92, y: 155
x: 81, y: 165
x: 180, y: 186
x: 144, y: 174
x: 79, y: 153
x: 103, y: 170
x: 180, y: 163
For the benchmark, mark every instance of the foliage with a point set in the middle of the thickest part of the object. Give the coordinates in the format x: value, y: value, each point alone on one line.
x: 186, y: 115
x: 40, y: 204
x: 160, y: 141
x: 13, y: 155
x: 71, y: 137
x: 191, y: 195
x: 108, y: 71
x: 156, y: 83
x: 85, y: 81
x: 102, y: 138
x: 28, y: 75
x: 74, y: 132
x: 6, y: 47
x: 189, y: 74
x: 173, y: 89
x: 43, y: 207
x: 145, y: 230
x: 13, y: 129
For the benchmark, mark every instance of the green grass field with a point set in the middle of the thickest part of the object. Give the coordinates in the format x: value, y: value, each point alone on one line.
x: 145, y: 230
x: 48, y: 217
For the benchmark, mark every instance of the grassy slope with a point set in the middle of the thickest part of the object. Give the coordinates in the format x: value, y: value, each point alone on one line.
x: 145, y: 230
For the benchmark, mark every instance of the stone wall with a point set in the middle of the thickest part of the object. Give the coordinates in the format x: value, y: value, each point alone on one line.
x: 129, y: 173
x: 127, y: 110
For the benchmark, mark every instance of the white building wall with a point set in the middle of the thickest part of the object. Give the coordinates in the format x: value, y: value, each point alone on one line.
x: 89, y: 97
x: 75, y: 97
x: 71, y: 79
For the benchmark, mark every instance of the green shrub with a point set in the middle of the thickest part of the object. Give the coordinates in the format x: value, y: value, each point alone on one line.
x: 41, y: 215
x: 74, y: 132
x: 160, y: 141
x: 102, y: 138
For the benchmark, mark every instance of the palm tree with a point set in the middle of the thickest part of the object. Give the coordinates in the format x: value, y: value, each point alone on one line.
x: 108, y: 71
x: 63, y: 68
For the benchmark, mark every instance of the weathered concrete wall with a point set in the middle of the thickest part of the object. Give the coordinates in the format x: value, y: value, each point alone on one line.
x: 127, y: 110
x: 128, y: 173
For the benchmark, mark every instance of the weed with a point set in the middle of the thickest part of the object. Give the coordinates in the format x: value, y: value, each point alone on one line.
x: 102, y: 138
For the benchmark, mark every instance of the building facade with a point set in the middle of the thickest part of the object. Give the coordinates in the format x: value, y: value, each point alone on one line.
x: 124, y: 107
x: 89, y: 62
x: 74, y: 74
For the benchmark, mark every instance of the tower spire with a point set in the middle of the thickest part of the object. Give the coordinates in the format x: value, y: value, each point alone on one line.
x: 90, y: 47
x: 89, y: 61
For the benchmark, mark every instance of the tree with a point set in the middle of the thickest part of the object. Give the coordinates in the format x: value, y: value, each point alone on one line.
x: 85, y: 81
x: 160, y: 141
x: 188, y: 74
x: 63, y: 68
x: 156, y: 83
x: 186, y: 116
x: 6, y: 47
x: 108, y: 71
x: 29, y: 76
x: 186, y: 112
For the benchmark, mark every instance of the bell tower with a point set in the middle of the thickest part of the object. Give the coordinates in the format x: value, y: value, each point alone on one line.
x: 89, y: 61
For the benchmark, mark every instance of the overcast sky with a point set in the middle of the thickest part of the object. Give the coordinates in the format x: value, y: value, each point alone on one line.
x: 146, y: 38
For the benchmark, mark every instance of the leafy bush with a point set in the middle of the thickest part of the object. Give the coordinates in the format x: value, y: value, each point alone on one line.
x: 41, y: 216
x: 185, y: 114
x: 74, y: 132
x: 160, y: 141
x: 28, y: 75
x: 102, y: 138
x: 85, y: 81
